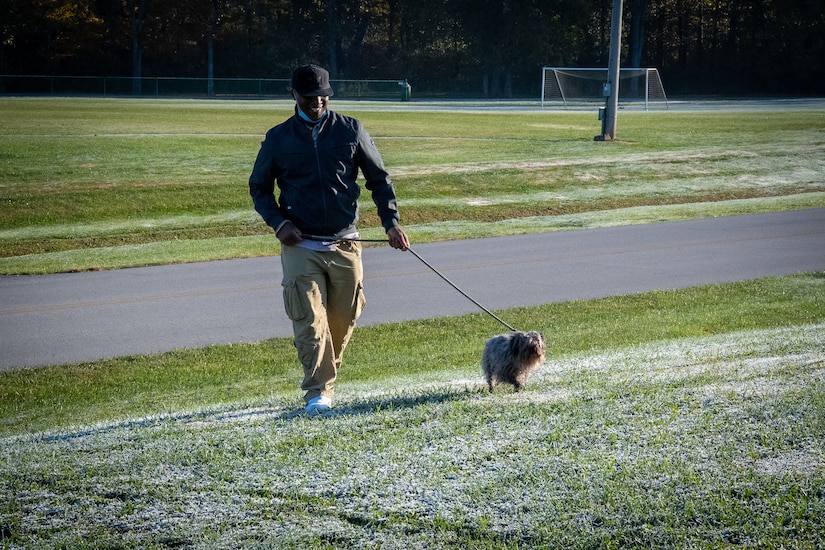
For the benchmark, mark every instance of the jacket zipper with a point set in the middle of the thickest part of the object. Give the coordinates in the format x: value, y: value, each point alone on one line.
x: 315, y: 131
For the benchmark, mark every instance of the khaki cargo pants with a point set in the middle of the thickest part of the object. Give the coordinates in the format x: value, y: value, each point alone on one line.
x: 323, y: 297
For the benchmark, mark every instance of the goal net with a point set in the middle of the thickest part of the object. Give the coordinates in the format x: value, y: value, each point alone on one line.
x: 565, y: 86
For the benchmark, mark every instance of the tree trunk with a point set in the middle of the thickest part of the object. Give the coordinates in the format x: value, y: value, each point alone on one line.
x: 210, y: 54
x: 333, y: 36
x: 137, y: 14
x: 636, y: 35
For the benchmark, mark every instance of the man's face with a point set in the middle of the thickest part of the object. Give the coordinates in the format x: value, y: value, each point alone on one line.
x: 313, y: 107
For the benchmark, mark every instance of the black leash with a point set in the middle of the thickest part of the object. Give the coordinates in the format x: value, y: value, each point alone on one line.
x: 332, y: 240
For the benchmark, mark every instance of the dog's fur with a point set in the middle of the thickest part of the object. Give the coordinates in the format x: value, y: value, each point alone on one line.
x: 510, y: 358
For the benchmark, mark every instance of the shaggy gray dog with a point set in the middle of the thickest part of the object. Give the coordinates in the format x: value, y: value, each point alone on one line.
x: 510, y: 358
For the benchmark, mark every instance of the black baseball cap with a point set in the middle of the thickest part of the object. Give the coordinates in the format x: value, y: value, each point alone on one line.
x: 311, y: 81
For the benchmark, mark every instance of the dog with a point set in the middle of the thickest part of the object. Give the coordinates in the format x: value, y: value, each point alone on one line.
x: 510, y: 358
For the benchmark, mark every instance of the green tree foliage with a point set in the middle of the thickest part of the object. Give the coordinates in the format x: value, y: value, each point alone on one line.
x: 494, y: 48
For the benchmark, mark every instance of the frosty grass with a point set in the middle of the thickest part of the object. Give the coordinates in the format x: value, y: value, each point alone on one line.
x: 710, y: 441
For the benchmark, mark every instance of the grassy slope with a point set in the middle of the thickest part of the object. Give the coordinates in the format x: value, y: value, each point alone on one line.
x: 55, y: 397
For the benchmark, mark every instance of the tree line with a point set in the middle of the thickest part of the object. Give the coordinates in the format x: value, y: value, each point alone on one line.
x: 479, y: 48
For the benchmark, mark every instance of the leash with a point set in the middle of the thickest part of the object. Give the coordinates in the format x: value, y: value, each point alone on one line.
x: 332, y: 240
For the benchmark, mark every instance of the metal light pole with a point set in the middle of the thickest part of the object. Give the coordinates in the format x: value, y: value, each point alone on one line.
x: 611, y: 87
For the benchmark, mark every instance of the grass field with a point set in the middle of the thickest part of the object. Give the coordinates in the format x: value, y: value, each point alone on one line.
x: 90, y: 184
x: 670, y: 419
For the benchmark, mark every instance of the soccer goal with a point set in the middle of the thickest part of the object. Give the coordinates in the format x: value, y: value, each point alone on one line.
x: 568, y: 87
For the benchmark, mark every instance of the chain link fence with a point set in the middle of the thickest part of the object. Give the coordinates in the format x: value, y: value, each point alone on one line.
x: 121, y: 86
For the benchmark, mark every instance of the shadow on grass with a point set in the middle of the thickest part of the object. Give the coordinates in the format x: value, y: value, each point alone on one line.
x: 366, y: 406
x: 358, y: 407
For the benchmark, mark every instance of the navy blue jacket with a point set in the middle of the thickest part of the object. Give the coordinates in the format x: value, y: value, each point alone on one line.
x: 315, y: 170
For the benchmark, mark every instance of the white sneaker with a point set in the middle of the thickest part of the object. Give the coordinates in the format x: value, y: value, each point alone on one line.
x: 319, y: 404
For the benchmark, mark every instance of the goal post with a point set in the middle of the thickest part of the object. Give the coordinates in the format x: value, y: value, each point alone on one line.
x: 583, y: 86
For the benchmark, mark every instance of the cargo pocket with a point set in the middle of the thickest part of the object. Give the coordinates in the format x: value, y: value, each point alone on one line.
x: 294, y: 301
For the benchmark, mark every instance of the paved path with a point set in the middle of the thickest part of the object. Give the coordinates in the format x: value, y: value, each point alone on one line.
x: 78, y: 317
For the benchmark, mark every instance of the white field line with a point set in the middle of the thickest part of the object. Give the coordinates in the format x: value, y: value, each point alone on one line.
x: 527, y: 105
x: 102, y: 228
x: 708, y: 154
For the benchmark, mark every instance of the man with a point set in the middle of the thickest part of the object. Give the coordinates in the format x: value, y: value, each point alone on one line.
x: 314, y: 158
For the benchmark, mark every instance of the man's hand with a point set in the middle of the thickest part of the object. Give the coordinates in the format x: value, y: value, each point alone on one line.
x: 289, y: 235
x: 398, y: 239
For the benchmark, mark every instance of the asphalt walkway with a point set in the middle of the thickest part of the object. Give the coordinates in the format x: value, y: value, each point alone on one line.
x: 77, y: 317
